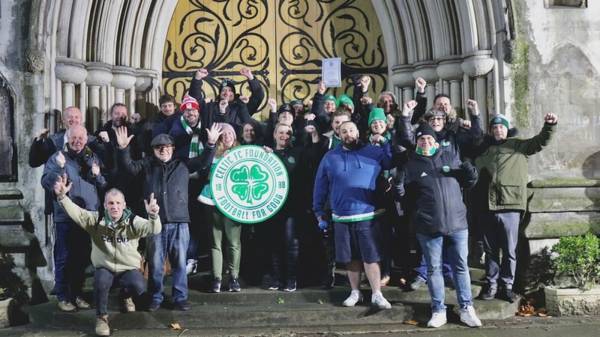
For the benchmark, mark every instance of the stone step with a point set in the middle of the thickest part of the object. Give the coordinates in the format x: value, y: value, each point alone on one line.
x: 256, y: 308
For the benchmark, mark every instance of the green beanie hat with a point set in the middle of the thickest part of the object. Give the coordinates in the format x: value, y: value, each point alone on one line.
x: 331, y: 98
x: 345, y: 99
x: 377, y: 114
x: 500, y: 119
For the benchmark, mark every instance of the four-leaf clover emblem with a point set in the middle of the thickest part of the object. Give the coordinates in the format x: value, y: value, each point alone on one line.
x: 249, y: 183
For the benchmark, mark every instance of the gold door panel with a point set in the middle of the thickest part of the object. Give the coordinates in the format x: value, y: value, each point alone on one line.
x: 283, y: 42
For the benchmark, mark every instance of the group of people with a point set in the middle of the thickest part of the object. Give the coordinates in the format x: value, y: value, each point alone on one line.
x: 361, y: 172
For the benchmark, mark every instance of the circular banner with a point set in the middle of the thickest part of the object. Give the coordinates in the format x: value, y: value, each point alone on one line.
x: 249, y: 185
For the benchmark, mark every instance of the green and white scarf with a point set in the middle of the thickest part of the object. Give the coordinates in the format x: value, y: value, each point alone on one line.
x: 196, y: 146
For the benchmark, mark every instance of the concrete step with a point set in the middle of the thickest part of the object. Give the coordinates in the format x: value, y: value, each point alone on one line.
x: 256, y: 308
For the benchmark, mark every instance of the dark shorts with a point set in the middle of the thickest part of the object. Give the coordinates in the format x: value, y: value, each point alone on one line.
x: 356, y: 241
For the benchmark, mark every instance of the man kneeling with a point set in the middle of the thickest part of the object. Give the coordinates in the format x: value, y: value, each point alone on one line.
x: 115, y: 236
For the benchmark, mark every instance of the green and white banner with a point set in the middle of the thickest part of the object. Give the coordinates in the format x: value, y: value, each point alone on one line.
x: 249, y: 185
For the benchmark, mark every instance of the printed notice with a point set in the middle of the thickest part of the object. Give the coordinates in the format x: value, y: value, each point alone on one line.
x: 332, y: 72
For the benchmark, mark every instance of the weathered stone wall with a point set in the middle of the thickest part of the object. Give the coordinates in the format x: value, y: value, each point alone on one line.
x: 564, y: 77
x: 25, y: 234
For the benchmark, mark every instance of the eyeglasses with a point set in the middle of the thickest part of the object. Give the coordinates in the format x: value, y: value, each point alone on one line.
x: 437, y: 118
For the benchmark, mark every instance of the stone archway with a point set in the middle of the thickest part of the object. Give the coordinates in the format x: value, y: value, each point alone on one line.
x: 94, y: 53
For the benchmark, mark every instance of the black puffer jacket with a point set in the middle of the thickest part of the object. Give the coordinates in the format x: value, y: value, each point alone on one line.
x: 432, y: 187
x: 168, y: 181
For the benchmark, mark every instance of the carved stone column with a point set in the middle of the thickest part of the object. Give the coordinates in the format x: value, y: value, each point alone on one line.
x: 70, y: 72
x: 99, y: 76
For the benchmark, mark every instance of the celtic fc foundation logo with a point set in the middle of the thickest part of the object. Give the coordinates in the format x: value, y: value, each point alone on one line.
x: 249, y: 185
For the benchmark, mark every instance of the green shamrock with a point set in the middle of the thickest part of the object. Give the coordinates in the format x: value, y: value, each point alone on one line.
x: 249, y: 184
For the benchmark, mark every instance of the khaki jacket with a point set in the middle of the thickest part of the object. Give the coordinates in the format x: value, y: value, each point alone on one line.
x: 503, y: 170
x: 113, y: 248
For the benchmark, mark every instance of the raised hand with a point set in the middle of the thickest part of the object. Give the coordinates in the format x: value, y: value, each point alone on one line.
x: 465, y: 124
x: 390, y: 120
x: 122, y: 138
x: 95, y: 169
x: 62, y: 186
x: 273, y: 104
x: 135, y: 118
x: 43, y: 134
x: 408, y: 107
x: 321, y: 88
x: 60, y: 159
x: 213, y: 134
x: 364, y: 82
x: 246, y: 72
x: 420, y: 83
x: 245, y: 99
x: 152, y: 207
x: 103, y: 135
x: 310, y: 116
x: 473, y: 107
x: 366, y: 100
x: 551, y: 118
x: 223, y: 106
x: 200, y: 74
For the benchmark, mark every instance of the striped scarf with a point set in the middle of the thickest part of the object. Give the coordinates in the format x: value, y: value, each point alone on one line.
x: 196, y: 146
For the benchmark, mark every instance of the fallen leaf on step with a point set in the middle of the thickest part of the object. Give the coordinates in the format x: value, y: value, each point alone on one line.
x: 175, y: 326
x: 411, y: 322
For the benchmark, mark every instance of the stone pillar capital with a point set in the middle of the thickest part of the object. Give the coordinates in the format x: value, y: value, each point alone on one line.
x: 402, y: 76
x: 70, y: 70
x: 145, y: 79
x: 99, y: 74
x: 123, y: 77
x: 478, y: 64
x: 426, y: 70
x: 450, y: 70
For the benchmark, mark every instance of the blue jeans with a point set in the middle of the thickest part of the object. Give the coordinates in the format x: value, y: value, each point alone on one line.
x: 173, y: 242
x: 131, y: 283
x: 457, y: 249
x: 71, y: 257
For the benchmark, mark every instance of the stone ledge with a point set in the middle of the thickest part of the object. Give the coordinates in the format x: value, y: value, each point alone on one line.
x: 10, y: 194
x: 12, y: 214
x: 14, y: 236
x: 555, y: 225
x: 560, y: 199
x: 564, y: 182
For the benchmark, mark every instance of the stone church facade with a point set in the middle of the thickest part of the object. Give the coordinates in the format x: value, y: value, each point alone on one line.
x: 518, y: 57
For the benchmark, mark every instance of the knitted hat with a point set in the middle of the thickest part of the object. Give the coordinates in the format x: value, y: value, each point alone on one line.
x: 377, y: 114
x: 500, y: 119
x: 331, y: 98
x: 162, y: 139
x: 345, y: 99
x: 285, y: 107
x: 227, y: 83
x: 425, y: 129
x: 227, y: 128
x: 296, y: 102
x: 189, y: 102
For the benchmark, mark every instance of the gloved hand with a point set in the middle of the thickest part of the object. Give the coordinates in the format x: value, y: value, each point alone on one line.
x: 323, y: 224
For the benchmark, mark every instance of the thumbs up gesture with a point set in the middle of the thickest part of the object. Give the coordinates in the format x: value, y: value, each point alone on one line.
x: 61, y: 160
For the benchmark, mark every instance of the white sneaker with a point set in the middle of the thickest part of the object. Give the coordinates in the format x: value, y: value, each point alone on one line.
x: 355, y: 297
x: 80, y: 303
x: 102, y: 328
x: 191, y: 266
x: 469, y: 317
x: 379, y: 301
x: 437, y: 319
x: 128, y: 304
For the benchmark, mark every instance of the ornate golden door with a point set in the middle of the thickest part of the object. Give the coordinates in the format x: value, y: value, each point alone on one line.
x: 281, y: 41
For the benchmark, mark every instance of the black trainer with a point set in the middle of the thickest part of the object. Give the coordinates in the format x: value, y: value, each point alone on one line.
x: 216, y: 285
x: 182, y: 306
x: 234, y: 285
x: 487, y: 293
x: 508, y: 295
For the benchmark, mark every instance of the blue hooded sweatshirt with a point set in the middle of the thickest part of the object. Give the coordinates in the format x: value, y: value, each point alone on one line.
x: 347, y: 178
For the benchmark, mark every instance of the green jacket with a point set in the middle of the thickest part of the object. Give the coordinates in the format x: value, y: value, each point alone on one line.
x: 113, y: 248
x: 503, y: 171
